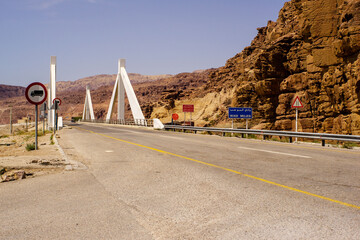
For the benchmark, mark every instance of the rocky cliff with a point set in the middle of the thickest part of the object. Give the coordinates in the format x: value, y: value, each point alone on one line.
x: 311, y: 51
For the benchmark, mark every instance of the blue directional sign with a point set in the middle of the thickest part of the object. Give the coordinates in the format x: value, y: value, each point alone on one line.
x: 244, y: 113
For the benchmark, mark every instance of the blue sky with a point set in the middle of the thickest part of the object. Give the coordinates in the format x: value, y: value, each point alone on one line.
x: 155, y: 36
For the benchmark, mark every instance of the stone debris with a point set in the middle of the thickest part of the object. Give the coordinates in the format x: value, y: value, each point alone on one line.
x: 45, y: 163
x: 12, y: 175
x: 52, y: 162
x: 68, y: 167
x: 7, y: 144
x: 16, y: 163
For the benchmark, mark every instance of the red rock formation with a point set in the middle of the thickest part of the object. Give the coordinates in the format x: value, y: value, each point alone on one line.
x: 311, y: 51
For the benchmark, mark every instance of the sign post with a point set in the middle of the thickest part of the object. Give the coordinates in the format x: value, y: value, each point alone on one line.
x: 56, y: 104
x: 43, y: 113
x: 240, y: 113
x: 175, y: 117
x: 188, y: 108
x: 297, y: 104
x: 36, y: 94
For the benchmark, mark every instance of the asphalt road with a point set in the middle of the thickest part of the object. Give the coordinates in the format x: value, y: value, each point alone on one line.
x: 143, y: 184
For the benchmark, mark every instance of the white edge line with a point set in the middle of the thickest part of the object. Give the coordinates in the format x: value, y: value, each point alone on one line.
x: 178, y: 138
x: 288, y: 154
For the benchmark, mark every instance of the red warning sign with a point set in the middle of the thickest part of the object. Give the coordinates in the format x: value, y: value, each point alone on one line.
x: 297, y: 103
x: 175, y: 116
x: 188, y: 108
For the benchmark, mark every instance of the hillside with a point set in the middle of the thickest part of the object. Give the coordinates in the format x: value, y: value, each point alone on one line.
x: 104, y: 80
x: 72, y: 92
x: 151, y: 94
x: 311, y: 51
x: 152, y: 91
x: 7, y: 91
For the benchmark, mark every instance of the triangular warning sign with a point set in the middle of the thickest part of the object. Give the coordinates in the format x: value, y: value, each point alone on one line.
x: 297, y: 103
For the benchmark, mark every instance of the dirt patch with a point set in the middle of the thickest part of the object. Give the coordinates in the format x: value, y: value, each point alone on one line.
x: 16, y: 162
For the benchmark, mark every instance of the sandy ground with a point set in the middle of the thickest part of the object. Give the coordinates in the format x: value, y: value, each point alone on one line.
x: 15, y: 158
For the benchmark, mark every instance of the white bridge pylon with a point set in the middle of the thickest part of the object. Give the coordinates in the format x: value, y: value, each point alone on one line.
x: 88, y: 113
x: 122, y: 85
x: 52, y: 92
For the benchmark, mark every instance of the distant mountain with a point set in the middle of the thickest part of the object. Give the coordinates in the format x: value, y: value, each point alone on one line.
x: 152, y: 90
x: 151, y: 94
x: 104, y: 80
x: 7, y: 91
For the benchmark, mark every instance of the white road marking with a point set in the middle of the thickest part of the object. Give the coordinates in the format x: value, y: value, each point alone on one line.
x: 267, y: 151
x: 109, y: 151
x: 132, y: 131
x: 123, y: 130
x: 178, y: 138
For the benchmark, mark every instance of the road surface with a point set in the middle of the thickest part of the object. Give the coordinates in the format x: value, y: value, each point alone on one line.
x: 145, y: 184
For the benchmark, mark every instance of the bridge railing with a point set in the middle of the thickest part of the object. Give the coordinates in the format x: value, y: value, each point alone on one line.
x: 318, y: 136
x: 132, y: 122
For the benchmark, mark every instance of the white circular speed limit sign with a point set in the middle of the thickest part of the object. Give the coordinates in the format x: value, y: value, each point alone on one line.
x: 36, y: 93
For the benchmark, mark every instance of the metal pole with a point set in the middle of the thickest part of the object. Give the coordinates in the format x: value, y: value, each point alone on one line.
x: 36, y: 127
x: 11, y: 120
x: 247, y: 126
x: 44, y: 124
x: 232, y: 126
x: 55, y: 121
x: 296, y: 123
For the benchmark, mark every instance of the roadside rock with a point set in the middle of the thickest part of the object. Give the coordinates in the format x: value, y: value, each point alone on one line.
x: 13, y: 175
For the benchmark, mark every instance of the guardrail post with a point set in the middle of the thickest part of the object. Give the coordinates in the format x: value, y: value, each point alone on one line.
x: 195, y: 131
x: 290, y: 140
x: 242, y: 135
x: 323, y: 142
x: 264, y: 137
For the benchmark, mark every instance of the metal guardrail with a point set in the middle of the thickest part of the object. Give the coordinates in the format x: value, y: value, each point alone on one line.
x: 290, y: 135
x: 132, y: 122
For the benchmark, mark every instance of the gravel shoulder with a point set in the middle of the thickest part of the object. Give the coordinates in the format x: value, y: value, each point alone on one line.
x: 15, y: 158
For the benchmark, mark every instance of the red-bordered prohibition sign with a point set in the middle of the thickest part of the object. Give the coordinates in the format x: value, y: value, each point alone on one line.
x: 36, y: 93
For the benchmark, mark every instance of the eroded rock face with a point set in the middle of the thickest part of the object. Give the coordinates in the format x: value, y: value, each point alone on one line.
x: 311, y: 51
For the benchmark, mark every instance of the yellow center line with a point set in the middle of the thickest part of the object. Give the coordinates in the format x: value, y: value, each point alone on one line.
x: 228, y: 170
